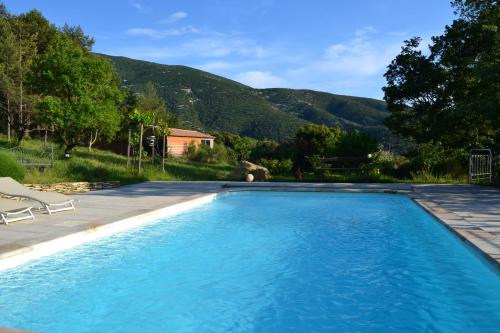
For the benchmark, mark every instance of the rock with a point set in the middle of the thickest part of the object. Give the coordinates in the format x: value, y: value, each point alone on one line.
x: 75, y: 187
x: 245, y: 168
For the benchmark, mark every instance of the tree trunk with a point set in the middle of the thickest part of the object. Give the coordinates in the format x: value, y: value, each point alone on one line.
x: 8, y: 119
x: 128, y: 146
x: 93, y: 139
x: 68, y: 149
x: 140, y: 146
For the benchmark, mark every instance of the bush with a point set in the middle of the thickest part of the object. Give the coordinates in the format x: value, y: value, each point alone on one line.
x: 9, y: 167
x: 277, y: 167
x: 392, y: 164
x: 428, y: 156
x: 434, y: 158
x: 354, y: 143
x: 205, y: 154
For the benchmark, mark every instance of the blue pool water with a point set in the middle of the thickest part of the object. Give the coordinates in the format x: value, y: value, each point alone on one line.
x: 264, y: 262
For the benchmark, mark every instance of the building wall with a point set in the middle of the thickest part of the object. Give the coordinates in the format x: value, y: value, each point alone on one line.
x: 178, y: 146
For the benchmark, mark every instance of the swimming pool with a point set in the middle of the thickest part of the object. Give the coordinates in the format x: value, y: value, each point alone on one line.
x: 264, y: 262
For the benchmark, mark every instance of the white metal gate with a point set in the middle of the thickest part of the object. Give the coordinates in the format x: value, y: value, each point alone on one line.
x: 480, y: 166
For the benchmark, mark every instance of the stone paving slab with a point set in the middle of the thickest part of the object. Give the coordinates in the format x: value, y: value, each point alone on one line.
x: 472, y: 211
x: 97, y: 208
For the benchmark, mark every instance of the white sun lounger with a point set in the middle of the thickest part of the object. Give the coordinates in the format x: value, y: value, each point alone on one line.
x: 10, y: 207
x: 51, y: 201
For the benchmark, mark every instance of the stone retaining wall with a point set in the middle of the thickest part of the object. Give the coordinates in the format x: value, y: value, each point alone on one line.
x: 77, y: 187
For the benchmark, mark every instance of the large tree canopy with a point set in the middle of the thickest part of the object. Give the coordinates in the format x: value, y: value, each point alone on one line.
x: 451, y: 94
x: 80, y: 94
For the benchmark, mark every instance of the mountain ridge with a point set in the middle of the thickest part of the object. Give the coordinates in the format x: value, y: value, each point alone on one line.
x: 209, y: 102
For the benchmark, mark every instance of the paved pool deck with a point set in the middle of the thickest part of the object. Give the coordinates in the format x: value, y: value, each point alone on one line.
x: 473, y: 212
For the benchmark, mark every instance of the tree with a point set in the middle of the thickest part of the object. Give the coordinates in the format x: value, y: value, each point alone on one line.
x: 355, y: 143
x: 450, y: 96
x: 146, y: 108
x: 80, y: 94
x: 76, y: 34
x: 314, y: 140
x: 148, y: 101
x: 18, y: 52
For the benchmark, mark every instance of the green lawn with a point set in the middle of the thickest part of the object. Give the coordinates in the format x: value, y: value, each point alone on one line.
x: 100, y: 165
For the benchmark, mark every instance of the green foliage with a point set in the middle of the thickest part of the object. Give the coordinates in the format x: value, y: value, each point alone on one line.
x: 81, y: 93
x: 451, y: 94
x: 239, y: 148
x: 391, y: 164
x: 354, y: 143
x: 277, y: 167
x: 209, y: 102
x: 9, y: 167
x: 18, y: 52
x: 433, y: 158
x: 317, y: 139
x: 425, y: 177
x: 100, y: 165
x: 428, y: 156
x: 78, y: 37
x: 191, y: 150
x: 205, y: 154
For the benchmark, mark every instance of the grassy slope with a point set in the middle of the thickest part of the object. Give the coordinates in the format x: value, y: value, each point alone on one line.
x: 101, y: 165
x: 210, y: 102
x: 106, y: 166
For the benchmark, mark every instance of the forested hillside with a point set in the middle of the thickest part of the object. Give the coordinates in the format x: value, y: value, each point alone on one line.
x: 206, y: 101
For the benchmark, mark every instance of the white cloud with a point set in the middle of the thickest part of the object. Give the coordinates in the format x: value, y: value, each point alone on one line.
x: 161, y: 33
x: 177, y: 16
x: 137, y: 5
x: 222, y: 46
x: 361, y: 56
x: 205, y: 45
x: 258, y: 79
x: 216, y: 66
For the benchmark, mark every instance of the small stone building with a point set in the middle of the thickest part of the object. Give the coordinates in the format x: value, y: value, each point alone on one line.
x: 179, y: 139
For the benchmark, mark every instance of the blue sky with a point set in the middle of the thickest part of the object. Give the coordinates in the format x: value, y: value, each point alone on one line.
x: 340, y: 46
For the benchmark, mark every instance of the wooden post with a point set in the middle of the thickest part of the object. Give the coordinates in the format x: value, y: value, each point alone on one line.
x: 128, y: 147
x: 153, y: 150
x: 140, y: 147
x: 163, y: 154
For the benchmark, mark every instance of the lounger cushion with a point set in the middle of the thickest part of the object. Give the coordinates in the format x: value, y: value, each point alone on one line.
x: 8, y: 205
x: 10, y: 187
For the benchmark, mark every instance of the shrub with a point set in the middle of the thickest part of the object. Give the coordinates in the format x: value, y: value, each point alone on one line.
x: 434, y: 158
x: 392, y: 164
x: 9, y: 167
x: 354, y: 143
x: 428, y: 156
x: 205, y: 154
x: 277, y: 167
x: 192, y: 151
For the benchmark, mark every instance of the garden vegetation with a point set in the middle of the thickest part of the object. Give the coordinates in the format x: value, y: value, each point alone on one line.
x: 440, y: 103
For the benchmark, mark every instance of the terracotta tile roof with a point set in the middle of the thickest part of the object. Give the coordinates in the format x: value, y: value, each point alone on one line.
x: 189, y: 133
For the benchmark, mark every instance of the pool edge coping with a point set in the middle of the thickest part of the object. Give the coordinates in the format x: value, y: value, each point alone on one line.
x: 473, y: 235
x: 469, y: 233
x: 20, y: 256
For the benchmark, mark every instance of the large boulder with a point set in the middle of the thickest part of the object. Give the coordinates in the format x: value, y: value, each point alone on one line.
x: 259, y: 172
